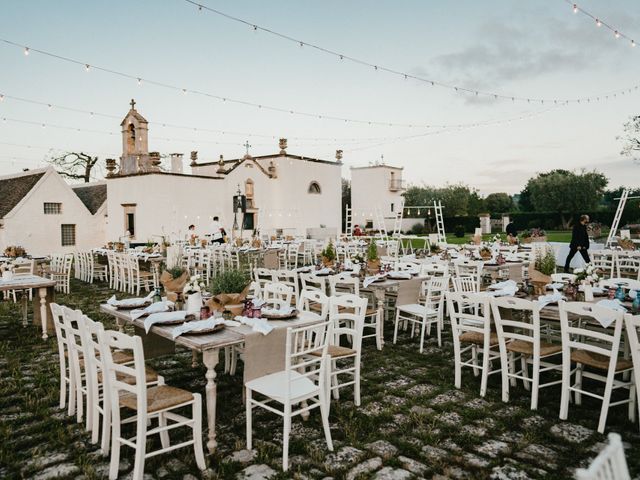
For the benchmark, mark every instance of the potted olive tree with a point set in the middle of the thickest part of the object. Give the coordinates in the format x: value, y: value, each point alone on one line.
x: 541, y: 268
x: 328, y: 255
x: 229, y: 289
x: 373, y: 261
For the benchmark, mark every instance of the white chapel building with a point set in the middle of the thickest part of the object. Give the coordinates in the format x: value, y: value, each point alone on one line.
x: 285, y: 194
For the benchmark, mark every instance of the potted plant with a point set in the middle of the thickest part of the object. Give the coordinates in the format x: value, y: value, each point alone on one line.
x: 534, y: 235
x: 485, y: 253
x: 541, y: 268
x: 373, y: 261
x: 14, y: 251
x: 173, y: 280
x: 626, y: 244
x: 229, y: 289
x: 587, y: 276
x: 192, y: 291
x: 328, y: 255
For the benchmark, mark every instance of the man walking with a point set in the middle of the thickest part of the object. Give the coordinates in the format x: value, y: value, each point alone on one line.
x: 579, y: 242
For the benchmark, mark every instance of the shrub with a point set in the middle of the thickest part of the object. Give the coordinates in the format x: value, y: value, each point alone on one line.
x: 329, y: 252
x: 417, y: 228
x: 372, y: 251
x: 546, y: 261
x: 458, y: 231
x: 231, y: 281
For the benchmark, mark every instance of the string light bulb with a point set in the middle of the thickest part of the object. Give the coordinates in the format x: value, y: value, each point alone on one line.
x: 139, y: 81
x: 575, y: 8
x: 633, y: 43
x: 26, y: 50
x: 616, y: 34
x: 87, y: 67
x: 598, y: 22
x: 1, y: 97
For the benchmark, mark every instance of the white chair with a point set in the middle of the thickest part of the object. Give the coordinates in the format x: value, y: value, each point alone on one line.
x: 598, y: 349
x: 346, y: 315
x: 434, y: 269
x: 605, y: 261
x: 520, y: 340
x: 472, y: 326
x: 469, y: 268
x: 62, y: 274
x: 310, y: 281
x: 67, y: 380
x: 465, y: 284
x: 422, y: 315
x: 315, y: 302
x: 262, y: 276
x: 632, y: 323
x: 628, y: 264
x: 610, y: 463
x: 289, y: 278
x: 302, y: 382
x: 159, y: 402
x: 563, y: 277
x: 139, y: 278
x: 277, y: 295
x: 627, y: 283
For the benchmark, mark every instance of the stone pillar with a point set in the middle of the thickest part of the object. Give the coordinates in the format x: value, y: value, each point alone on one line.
x: 505, y: 221
x: 485, y: 223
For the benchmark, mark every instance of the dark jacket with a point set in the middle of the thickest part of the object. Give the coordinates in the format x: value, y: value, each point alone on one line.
x: 579, y: 236
x: 511, y: 229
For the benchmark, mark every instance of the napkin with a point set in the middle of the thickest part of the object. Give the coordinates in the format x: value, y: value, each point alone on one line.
x: 201, y: 325
x: 612, y: 304
x: 554, y: 297
x: 369, y: 280
x: 278, y: 311
x: 501, y: 285
x: 162, y: 317
x: 508, y: 291
x: 259, y: 325
x: 128, y: 301
x: 555, y: 285
x: 153, y: 308
x: 403, y: 275
x: 323, y: 271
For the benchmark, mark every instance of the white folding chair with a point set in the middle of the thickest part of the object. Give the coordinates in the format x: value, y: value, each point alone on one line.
x: 126, y: 387
x: 67, y: 379
x: 472, y: 326
x: 469, y: 268
x: 598, y: 349
x: 302, y: 382
x: 605, y: 261
x: 277, y: 295
x: 519, y: 339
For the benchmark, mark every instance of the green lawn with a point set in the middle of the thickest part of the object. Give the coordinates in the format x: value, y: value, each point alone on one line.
x: 554, y: 236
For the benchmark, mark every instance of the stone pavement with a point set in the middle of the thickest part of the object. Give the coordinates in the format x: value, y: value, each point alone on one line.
x: 412, y: 423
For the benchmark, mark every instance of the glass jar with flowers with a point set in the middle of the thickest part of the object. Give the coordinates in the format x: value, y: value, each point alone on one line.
x: 587, y: 277
x: 193, y: 293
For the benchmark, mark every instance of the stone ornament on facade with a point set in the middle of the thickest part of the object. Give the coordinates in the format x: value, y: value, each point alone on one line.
x: 283, y: 146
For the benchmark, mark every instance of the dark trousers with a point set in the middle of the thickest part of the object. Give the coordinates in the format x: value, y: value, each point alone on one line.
x: 572, y: 252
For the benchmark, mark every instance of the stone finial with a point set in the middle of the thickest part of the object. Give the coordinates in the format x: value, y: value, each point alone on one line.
x: 339, y: 156
x: 272, y: 170
x: 283, y: 146
x: 221, y: 161
x: 194, y: 158
x: 111, y: 167
x: 221, y: 168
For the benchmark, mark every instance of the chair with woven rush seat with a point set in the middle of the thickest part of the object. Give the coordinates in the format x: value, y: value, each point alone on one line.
x: 302, y: 382
x: 159, y: 402
x: 289, y: 278
x: 520, y: 338
x: 310, y: 281
x: 596, y: 348
x: 610, y: 463
x: 315, y: 302
x: 67, y: 385
x: 421, y: 314
x: 471, y: 325
x: 346, y: 314
x: 61, y: 273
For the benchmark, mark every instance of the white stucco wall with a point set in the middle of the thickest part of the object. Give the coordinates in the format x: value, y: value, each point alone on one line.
x: 284, y: 202
x: 39, y: 234
x: 370, y: 189
x: 165, y: 205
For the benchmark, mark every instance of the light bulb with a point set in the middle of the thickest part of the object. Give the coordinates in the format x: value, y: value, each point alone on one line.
x: 598, y: 22
x: 139, y: 81
x: 1, y: 97
x: 26, y: 50
x: 87, y: 67
x: 49, y: 106
x: 184, y: 90
x: 633, y: 43
x: 617, y: 34
x: 575, y: 8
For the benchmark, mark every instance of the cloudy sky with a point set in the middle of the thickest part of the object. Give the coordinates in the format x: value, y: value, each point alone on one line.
x: 517, y: 48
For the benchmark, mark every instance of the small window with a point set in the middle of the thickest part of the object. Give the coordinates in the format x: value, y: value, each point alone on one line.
x: 131, y: 224
x: 52, y: 208
x: 392, y: 207
x: 68, y: 233
x: 314, y: 187
x: 248, y: 188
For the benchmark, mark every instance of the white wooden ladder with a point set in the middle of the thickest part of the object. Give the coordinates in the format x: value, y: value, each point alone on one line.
x: 348, y: 222
x: 616, y: 219
x: 397, y: 221
x: 437, y: 207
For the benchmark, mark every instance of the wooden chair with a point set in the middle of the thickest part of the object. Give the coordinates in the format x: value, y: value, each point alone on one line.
x: 125, y: 386
x: 610, y: 463
x: 597, y: 349
x: 471, y: 325
x: 277, y: 295
x: 519, y: 339
x: 297, y: 389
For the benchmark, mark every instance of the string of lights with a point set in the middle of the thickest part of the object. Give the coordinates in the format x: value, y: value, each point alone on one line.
x: 341, y: 141
x: 87, y: 66
x: 405, y: 75
x: 601, y: 23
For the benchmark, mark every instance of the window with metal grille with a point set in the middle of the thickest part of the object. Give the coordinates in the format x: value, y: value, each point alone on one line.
x: 68, y: 232
x: 52, y: 208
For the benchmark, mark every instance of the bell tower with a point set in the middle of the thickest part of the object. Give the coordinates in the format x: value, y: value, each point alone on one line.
x: 135, y: 142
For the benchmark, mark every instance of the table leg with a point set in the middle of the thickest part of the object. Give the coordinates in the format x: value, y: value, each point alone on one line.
x: 194, y: 358
x: 25, y: 307
x: 42, y: 293
x: 210, y: 359
x: 120, y: 325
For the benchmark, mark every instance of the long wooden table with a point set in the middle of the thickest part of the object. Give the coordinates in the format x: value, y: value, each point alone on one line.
x: 26, y: 283
x: 209, y: 345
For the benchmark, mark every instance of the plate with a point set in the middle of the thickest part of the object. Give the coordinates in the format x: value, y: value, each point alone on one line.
x: 215, y: 329
x: 293, y: 314
x: 133, y: 306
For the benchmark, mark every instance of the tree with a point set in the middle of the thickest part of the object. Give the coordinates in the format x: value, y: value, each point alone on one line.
x: 77, y: 166
x: 457, y: 199
x: 631, y: 137
x: 499, y: 202
x: 566, y: 192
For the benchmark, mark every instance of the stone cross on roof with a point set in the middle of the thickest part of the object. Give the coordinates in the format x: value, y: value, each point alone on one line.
x: 247, y: 146
x: 133, y: 104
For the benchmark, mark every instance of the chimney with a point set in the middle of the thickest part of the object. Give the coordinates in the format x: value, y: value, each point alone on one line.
x: 176, y: 163
x: 194, y: 159
x: 111, y: 167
